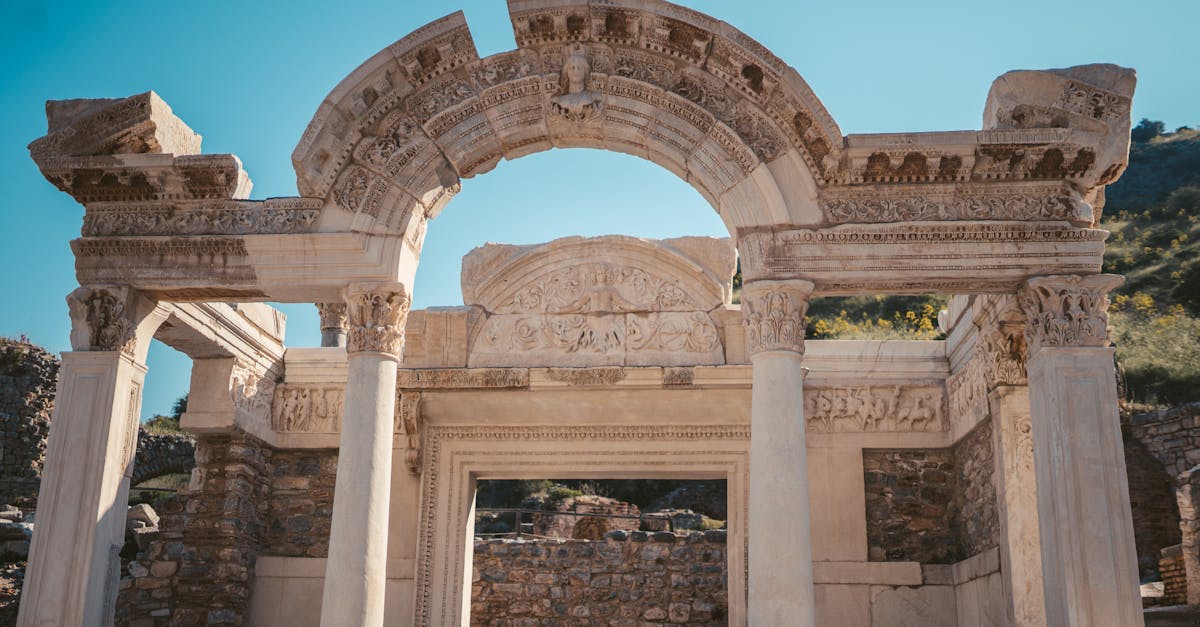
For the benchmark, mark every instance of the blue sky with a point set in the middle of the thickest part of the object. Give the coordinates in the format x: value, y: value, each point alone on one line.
x: 249, y: 75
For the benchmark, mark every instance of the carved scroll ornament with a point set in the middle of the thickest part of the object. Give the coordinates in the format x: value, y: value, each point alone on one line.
x: 773, y: 312
x: 376, y: 315
x: 1067, y: 310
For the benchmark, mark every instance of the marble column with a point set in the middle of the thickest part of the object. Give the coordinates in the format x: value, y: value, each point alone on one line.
x: 781, y: 570
x: 333, y: 324
x: 1001, y: 348
x: 74, y: 562
x: 1088, y: 557
x: 355, y: 573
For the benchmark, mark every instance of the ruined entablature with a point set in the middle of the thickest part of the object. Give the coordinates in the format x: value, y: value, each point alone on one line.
x: 610, y: 300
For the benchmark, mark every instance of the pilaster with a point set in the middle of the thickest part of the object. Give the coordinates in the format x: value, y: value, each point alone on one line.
x: 1088, y: 557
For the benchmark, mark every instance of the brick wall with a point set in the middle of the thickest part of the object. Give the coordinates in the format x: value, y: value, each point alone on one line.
x: 626, y: 579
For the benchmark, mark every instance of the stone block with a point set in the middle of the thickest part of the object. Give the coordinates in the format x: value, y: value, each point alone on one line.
x: 927, y: 606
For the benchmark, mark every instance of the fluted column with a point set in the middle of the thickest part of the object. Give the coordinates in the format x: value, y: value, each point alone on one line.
x: 781, y: 570
x: 355, y: 573
x: 333, y: 324
x: 74, y: 559
x: 1088, y: 557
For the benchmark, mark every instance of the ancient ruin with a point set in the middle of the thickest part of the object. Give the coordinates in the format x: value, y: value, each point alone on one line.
x: 978, y: 480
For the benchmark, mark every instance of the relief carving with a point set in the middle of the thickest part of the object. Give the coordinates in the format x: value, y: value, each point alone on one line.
x: 773, y: 312
x: 599, y: 287
x: 251, y: 392
x: 871, y: 409
x: 408, y: 411
x: 300, y: 408
x: 236, y: 218
x: 575, y: 102
x: 1050, y: 204
x: 376, y: 316
x: 1067, y: 310
x: 109, y: 317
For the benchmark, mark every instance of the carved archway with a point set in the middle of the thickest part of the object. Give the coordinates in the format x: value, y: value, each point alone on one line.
x: 692, y: 94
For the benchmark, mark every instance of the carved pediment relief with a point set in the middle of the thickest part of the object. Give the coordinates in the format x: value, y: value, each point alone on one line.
x: 610, y: 300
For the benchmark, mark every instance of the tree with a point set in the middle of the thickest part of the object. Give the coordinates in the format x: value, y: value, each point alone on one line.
x: 1147, y: 130
x: 179, y: 407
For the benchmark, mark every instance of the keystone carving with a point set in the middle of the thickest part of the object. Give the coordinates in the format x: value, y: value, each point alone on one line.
x: 376, y: 314
x: 574, y: 101
x: 1067, y: 310
x: 773, y: 312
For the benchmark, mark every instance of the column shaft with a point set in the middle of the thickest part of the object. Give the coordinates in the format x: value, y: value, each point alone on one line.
x: 355, y: 574
x: 356, y: 570
x: 74, y: 561
x: 781, y: 571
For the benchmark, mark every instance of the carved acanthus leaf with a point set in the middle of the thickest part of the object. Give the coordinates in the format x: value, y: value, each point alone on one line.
x: 773, y: 312
x: 376, y: 314
x: 1067, y: 310
x: 333, y: 315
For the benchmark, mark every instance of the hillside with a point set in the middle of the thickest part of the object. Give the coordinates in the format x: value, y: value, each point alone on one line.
x: 1153, y: 213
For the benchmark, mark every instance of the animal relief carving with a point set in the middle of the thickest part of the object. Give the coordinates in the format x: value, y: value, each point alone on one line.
x: 870, y: 409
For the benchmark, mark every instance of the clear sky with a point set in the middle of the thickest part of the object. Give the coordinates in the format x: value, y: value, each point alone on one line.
x: 248, y: 76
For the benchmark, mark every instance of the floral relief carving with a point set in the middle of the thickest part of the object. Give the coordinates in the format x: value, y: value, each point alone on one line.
x: 864, y: 409
x: 237, y: 218
x: 1004, y: 351
x: 975, y: 206
x: 599, y: 287
x: 1067, y: 310
x: 376, y: 316
x: 773, y: 312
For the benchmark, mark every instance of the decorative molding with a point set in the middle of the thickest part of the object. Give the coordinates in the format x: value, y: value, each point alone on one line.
x: 302, y: 408
x: 874, y: 409
x: 236, y: 217
x: 1067, y: 310
x: 773, y: 313
x: 376, y: 315
x: 599, y: 287
x: 586, y: 376
x: 211, y: 247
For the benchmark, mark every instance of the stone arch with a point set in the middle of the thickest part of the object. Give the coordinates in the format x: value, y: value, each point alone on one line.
x: 391, y: 143
x: 159, y: 455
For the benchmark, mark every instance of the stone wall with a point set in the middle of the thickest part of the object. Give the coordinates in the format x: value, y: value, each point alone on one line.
x: 626, y: 579
x: 1174, y: 577
x: 199, y: 568
x: 161, y: 454
x: 1171, y: 435
x: 300, y: 507
x: 934, y: 506
x: 28, y: 376
x: 975, y: 495
x: 1153, y: 504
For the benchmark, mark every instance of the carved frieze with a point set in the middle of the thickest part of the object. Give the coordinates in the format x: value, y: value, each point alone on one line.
x: 599, y: 287
x: 303, y: 408
x: 461, y: 378
x: 912, y: 203
x: 1067, y: 310
x: 773, y: 313
x: 376, y: 315
x: 252, y: 390
x: 275, y: 216
x: 874, y: 409
x: 967, y: 388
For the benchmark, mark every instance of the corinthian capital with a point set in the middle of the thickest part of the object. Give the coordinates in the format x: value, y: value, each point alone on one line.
x: 773, y: 312
x: 104, y: 318
x: 1067, y: 310
x: 377, y: 313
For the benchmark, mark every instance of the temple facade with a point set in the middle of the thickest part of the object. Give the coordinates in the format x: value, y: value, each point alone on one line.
x: 335, y: 485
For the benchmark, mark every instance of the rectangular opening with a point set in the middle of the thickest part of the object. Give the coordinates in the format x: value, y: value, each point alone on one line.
x: 605, y: 550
